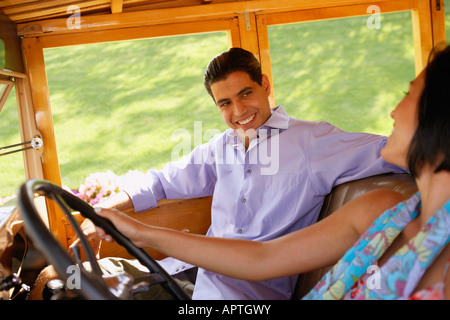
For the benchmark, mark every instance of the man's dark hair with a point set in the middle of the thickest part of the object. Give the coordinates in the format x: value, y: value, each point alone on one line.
x: 235, y: 59
x: 431, y: 140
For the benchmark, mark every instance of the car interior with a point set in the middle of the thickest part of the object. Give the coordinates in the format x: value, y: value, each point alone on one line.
x: 37, y: 225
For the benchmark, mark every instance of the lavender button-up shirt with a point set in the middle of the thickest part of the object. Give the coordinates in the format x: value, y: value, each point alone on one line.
x: 275, y: 187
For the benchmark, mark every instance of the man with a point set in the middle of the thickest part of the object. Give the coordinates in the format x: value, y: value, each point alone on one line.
x: 268, y: 173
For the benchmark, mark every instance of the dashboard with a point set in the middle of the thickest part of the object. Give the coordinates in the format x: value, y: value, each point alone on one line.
x: 9, y: 225
x: 19, y: 262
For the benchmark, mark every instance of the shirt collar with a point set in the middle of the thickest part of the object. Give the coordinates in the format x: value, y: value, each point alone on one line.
x: 278, y: 120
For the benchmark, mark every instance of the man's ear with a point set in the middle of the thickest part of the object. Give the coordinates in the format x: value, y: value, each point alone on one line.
x: 266, y: 84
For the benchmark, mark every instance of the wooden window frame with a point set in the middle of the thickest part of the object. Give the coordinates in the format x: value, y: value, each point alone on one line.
x: 6, y: 86
x: 425, y: 19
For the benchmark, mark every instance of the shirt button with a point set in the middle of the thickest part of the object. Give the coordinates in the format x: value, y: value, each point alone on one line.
x: 249, y: 171
x: 244, y: 200
x: 239, y: 231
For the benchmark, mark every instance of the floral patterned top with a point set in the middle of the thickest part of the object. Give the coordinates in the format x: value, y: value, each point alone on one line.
x: 434, y: 292
x: 399, y: 276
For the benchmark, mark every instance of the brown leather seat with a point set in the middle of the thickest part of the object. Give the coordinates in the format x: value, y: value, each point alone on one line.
x: 340, y: 195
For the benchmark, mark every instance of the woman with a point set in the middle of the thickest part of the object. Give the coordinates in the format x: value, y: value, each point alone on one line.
x: 407, y: 244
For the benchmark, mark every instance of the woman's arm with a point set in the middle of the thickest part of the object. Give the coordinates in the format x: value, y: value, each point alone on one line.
x: 120, y: 201
x: 311, y: 248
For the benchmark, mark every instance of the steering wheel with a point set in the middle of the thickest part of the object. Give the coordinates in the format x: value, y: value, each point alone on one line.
x: 92, y: 284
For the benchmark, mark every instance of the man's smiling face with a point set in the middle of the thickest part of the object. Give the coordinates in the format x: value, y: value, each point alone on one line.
x: 243, y: 103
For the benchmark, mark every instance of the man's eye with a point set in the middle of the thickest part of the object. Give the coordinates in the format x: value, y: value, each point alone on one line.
x: 224, y: 104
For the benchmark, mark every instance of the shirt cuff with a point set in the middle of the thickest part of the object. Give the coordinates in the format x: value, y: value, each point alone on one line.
x: 144, y: 189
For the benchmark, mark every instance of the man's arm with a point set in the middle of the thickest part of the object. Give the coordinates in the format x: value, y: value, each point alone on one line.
x: 336, y: 156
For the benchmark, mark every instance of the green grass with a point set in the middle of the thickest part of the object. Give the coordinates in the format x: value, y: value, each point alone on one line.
x: 125, y: 100
x: 342, y: 71
x: 116, y: 106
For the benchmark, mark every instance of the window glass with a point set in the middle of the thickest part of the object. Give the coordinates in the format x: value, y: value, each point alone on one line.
x: 125, y: 105
x: 11, y: 166
x: 447, y: 19
x: 351, y: 72
x: 2, y: 54
x: 5, y: 89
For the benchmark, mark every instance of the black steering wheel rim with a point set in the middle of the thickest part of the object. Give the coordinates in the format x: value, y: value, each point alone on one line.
x: 93, y: 286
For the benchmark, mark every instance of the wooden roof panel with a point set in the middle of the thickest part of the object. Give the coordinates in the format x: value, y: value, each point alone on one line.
x: 20, y: 11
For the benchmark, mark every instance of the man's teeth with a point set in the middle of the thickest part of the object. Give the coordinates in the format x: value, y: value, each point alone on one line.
x: 247, y: 120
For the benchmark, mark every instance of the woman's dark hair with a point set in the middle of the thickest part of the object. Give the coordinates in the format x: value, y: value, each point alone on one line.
x: 431, y: 142
x: 236, y: 59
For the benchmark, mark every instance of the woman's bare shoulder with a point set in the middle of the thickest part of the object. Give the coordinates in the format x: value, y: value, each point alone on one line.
x: 369, y: 206
x: 382, y: 197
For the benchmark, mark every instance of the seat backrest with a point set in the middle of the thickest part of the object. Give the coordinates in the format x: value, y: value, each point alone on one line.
x: 342, y: 194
